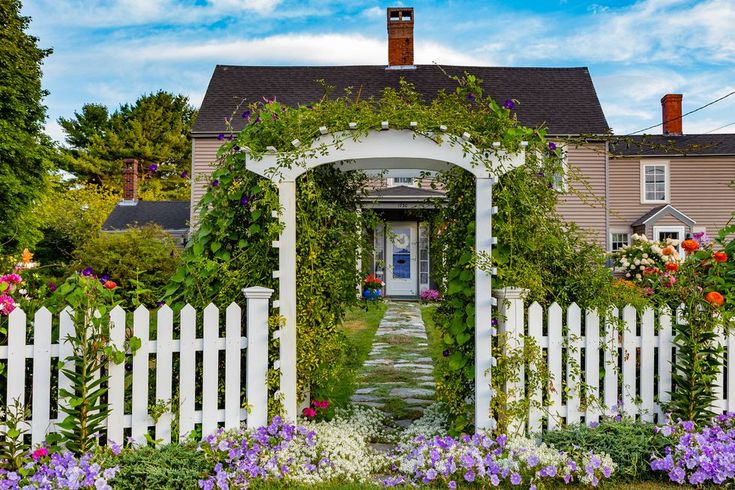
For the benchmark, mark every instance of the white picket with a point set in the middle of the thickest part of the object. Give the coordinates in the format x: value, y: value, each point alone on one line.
x: 187, y: 372
x: 592, y: 365
x: 116, y: 383
x: 647, y: 359
x: 610, y: 361
x: 630, y: 317
x: 664, y: 360
x: 554, y: 354
x: 210, y: 383
x: 718, y: 405
x: 164, y: 369
x: 16, y: 358
x: 535, y: 331
x: 66, y: 330
x: 141, y: 329
x: 41, y: 401
x: 574, y: 366
x: 233, y: 384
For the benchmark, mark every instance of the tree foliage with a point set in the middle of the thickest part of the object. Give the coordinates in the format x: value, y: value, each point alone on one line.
x: 26, y: 154
x: 156, y: 130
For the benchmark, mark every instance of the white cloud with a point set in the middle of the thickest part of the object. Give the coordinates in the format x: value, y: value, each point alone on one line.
x: 373, y: 13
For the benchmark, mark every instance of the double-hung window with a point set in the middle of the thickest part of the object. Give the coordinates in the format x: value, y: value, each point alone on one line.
x: 619, y: 240
x: 654, y: 182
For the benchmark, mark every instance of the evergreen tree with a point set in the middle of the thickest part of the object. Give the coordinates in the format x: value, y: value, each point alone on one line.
x: 156, y: 130
x: 25, y: 152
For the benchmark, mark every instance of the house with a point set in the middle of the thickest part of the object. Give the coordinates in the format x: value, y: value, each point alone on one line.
x: 172, y: 216
x: 670, y: 185
x: 563, y: 100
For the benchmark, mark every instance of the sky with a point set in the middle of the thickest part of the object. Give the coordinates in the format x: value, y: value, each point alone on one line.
x: 113, y: 51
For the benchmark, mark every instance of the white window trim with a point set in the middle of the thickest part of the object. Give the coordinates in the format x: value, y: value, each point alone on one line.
x: 667, y: 178
x: 392, y: 182
x: 614, y: 231
x: 671, y: 228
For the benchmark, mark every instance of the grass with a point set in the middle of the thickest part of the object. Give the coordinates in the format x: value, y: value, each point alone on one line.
x: 359, y: 327
x: 436, y: 346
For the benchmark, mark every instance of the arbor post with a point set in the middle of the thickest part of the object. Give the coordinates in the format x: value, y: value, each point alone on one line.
x: 483, y: 305
x: 286, y: 275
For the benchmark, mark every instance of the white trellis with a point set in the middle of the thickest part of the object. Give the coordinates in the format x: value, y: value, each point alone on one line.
x: 387, y: 149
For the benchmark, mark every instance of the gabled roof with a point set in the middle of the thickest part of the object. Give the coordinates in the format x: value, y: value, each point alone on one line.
x: 661, y: 211
x: 664, y: 145
x: 561, y: 99
x: 169, y: 215
x: 404, y: 191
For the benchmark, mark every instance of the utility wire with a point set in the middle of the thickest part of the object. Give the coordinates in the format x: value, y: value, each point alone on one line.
x: 684, y: 115
x: 721, y: 127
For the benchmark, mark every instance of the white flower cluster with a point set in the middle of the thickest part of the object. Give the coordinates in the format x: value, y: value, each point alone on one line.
x: 345, y: 442
x: 644, y: 254
x: 434, y: 422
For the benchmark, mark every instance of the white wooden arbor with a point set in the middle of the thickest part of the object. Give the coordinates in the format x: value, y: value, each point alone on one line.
x: 386, y: 149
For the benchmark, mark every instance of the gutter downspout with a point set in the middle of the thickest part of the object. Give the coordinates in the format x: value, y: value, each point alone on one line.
x: 607, y: 196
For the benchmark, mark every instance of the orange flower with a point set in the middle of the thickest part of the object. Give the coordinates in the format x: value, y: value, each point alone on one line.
x: 715, y: 298
x: 26, y: 256
x: 720, y: 256
x: 110, y: 285
x: 667, y: 250
x: 690, y: 245
x: 672, y: 266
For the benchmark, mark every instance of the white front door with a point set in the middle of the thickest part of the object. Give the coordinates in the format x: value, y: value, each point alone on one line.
x: 401, y: 244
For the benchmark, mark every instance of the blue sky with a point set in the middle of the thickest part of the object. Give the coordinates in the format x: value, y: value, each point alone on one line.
x: 112, y: 51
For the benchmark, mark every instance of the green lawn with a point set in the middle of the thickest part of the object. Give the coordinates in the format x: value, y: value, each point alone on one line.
x: 359, y: 326
x: 435, y: 342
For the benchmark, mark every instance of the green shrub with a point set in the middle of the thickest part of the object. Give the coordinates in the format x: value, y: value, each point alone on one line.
x: 139, y: 260
x: 174, y: 466
x: 630, y: 444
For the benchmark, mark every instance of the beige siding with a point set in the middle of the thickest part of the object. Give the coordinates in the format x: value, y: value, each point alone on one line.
x: 584, y: 203
x: 699, y: 188
x: 204, y: 156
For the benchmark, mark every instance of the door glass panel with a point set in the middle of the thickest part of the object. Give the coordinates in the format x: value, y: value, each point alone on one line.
x: 401, y: 237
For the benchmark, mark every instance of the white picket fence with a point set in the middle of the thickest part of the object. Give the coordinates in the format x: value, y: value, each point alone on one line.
x: 596, y: 352
x: 47, y: 356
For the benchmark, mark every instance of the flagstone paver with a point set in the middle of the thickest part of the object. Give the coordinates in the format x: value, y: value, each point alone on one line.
x: 397, y: 375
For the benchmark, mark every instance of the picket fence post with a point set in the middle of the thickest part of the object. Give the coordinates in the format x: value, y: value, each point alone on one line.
x: 511, y: 314
x: 257, y: 355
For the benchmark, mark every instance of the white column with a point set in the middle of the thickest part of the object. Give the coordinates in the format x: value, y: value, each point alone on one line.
x: 483, y: 305
x: 257, y: 355
x: 511, y: 323
x: 287, y: 297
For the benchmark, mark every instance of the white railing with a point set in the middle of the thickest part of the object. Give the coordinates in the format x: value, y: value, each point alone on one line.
x: 153, y: 367
x: 626, y: 370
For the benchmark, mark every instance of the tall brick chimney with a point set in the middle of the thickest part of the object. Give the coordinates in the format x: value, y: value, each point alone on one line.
x: 671, y: 114
x: 400, y: 36
x: 130, y: 180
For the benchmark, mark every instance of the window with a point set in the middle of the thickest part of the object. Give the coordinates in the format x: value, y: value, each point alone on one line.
x: 655, y: 182
x: 619, y: 240
x: 409, y: 181
x: 663, y: 233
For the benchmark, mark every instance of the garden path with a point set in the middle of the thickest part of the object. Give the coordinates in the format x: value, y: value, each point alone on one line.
x: 397, y: 376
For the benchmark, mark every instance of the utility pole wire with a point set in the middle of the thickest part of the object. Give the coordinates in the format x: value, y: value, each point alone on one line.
x: 684, y: 115
x: 721, y: 127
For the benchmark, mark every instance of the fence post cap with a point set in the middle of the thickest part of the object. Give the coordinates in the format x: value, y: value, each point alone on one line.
x: 511, y: 293
x: 257, y: 292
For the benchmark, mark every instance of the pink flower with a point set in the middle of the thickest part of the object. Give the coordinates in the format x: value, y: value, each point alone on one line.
x: 309, y: 412
x: 11, y: 279
x: 39, y: 453
x: 320, y: 403
x: 7, y: 304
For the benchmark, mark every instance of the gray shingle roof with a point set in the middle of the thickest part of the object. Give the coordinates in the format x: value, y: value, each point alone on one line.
x: 659, y: 212
x: 170, y: 215
x: 661, y: 145
x: 562, y: 99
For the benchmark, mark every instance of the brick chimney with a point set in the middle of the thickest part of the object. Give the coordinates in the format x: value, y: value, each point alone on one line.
x: 400, y: 37
x: 130, y: 180
x: 671, y: 114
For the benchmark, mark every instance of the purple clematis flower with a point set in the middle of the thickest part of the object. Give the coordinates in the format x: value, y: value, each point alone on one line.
x: 221, y: 136
x: 215, y: 183
x: 246, y: 115
x: 184, y: 174
x: 153, y: 167
x: 552, y: 146
x: 509, y: 104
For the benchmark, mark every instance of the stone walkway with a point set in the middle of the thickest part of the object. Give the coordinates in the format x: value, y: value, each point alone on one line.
x: 397, y: 376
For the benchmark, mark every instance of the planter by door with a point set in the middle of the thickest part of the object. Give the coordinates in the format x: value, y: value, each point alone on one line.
x: 401, y: 260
